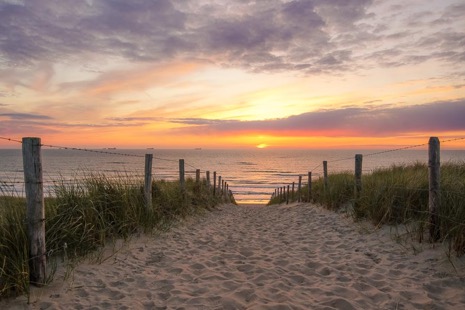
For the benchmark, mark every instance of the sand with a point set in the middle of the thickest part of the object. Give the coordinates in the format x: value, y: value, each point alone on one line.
x: 282, y: 257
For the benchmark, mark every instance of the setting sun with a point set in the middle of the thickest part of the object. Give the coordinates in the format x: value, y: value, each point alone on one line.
x: 262, y: 146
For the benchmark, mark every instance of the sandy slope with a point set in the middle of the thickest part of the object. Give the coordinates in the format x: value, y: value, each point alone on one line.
x: 296, y: 257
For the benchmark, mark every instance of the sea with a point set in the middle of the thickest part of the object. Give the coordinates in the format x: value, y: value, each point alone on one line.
x: 252, y: 174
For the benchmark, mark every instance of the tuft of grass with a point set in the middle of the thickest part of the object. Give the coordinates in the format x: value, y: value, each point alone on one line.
x: 394, y: 195
x: 83, y: 215
x: 339, y: 190
x: 14, y: 268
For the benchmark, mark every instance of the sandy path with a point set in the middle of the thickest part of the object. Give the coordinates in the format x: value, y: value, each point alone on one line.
x: 298, y: 257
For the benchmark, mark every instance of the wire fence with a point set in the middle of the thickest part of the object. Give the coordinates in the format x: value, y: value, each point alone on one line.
x: 327, y: 167
x: 246, y: 184
x: 12, y: 181
x: 377, y: 153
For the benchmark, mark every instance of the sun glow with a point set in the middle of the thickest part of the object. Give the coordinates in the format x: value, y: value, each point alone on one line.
x: 262, y: 146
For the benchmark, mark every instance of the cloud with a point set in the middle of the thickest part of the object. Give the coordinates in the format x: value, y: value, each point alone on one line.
x: 200, y: 121
x: 268, y: 35
x: 351, y: 121
x: 310, y: 36
x: 132, y: 119
x: 24, y: 123
x: 25, y: 116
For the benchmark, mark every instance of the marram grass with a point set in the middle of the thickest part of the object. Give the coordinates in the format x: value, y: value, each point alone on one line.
x: 82, y: 216
x: 398, y: 195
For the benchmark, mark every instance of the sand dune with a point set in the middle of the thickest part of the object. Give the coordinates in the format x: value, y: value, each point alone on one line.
x: 281, y: 257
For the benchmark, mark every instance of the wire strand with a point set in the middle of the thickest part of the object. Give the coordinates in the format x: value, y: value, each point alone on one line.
x: 90, y: 150
x: 10, y: 139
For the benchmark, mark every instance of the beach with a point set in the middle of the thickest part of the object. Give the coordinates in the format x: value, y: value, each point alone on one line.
x: 296, y: 256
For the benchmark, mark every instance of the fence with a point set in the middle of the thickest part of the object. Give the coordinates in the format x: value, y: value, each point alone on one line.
x: 292, y: 191
x: 34, y: 194
x: 283, y: 193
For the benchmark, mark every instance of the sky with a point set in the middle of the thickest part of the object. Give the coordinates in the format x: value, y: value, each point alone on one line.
x: 232, y: 74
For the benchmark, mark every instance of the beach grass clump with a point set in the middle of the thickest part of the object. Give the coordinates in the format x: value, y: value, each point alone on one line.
x: 83, y: 215
x: 338, y: 191
x: 14, y: 269
x: 452, y: 210
x: 394, y: 195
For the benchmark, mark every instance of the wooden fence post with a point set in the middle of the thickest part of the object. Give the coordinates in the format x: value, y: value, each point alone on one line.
x: 197, y: 176
x: 325, y: 175
x: 293, y: 190
x: 182, y: 175
x: 434, y: 186
x: 148, y: 181
x: 358, y: 175
x: 214, y: 183
x: 299, y: 189
x: 309, y: 186
x: 219, y: 186
x: 208, y: 178
x: 287, y: 196
x: 33, y: 179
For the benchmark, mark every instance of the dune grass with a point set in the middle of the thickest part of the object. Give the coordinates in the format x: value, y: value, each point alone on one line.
x: 399, y: 195
x: 82, y: 216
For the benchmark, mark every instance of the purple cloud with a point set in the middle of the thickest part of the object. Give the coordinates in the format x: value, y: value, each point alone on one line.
x: 25, y: 116
x: 432, y: 117
x: 306, y: 35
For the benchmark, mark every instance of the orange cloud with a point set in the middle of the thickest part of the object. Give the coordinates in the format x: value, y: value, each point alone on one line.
x: 142, y: 77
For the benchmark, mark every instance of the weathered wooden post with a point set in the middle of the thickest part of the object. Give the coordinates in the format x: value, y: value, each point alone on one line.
x: 33, y: 179
x: 309, y: 186
x: 182, y: 182
x: 214, y: 183
x: 358, y: 175
x: 198, y: 185
x: 148, y: 181
x: 287, y: 195
x: 299, y: 190
x: 222, y: 187
x: 208, y: 178
x: 434, y: 175
x: 293, y: 190
x: 219, y: 186
x: 325, y: 175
